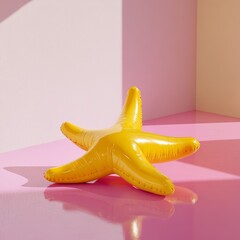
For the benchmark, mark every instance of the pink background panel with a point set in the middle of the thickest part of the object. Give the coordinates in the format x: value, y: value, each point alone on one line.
x: 7, y: 8
x: 159, y: 52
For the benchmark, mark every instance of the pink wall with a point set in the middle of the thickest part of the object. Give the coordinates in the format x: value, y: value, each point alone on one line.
x: 59, y: 61
x: 159, y: 54
x: 7, y: 8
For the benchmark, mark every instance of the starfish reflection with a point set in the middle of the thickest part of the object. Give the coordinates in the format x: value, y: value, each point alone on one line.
x: 114, y: 200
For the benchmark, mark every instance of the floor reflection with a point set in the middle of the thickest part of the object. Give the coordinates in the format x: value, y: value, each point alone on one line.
x: 114, y: 200
x: 110, y: 200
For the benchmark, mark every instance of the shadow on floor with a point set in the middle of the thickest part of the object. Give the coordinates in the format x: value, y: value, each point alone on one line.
x: 33, y: 174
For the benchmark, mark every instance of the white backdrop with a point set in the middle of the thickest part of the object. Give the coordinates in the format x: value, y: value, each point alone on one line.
x: 59, y: 60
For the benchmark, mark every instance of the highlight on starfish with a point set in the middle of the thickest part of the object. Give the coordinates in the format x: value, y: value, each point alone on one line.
x: 123, y: 149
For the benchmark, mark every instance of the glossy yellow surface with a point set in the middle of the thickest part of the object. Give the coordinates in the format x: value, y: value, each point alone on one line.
x: 123, y: 149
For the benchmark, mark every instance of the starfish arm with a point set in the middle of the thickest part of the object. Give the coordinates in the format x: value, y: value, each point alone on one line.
x: 159, y: 148
x: 131, y: 164
x: 89, y: 167
x: 83, y: 138
x: 131, y: 116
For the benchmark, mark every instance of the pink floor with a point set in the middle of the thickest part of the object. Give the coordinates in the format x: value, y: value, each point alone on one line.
x: 206, y: 204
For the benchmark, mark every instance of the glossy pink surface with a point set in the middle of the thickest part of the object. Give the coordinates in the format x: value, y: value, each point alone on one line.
x: 204, y: 206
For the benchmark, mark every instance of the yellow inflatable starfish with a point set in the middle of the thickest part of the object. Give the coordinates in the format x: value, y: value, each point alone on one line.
x: 123, y: 149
